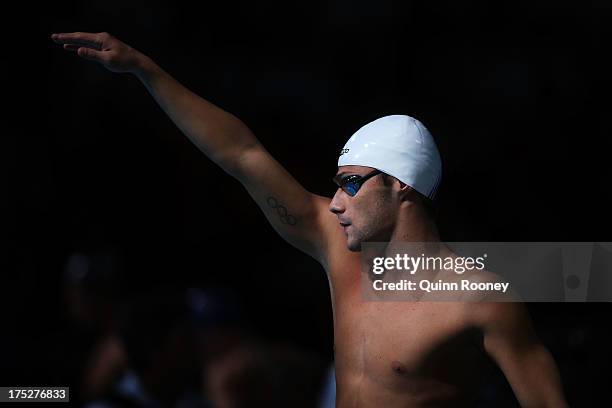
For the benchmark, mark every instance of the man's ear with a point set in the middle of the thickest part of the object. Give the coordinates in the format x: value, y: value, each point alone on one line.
x: 406, y: 192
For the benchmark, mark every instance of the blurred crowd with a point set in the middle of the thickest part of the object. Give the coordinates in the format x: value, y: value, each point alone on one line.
x: 172, y: 347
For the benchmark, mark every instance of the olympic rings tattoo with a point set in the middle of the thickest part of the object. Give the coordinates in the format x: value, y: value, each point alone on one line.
x: 285, y: 217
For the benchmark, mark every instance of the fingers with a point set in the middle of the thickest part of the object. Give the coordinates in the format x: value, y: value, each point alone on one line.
x: 87, y: 53
x: 91, y: 54
x: 71, y: 47
x: 78, y: 38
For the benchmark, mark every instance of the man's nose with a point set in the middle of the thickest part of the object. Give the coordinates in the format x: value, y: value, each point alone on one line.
x: 336, y: 206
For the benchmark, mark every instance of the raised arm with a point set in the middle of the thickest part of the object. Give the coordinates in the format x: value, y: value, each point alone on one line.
x: 511, y: 341
x: 298, y: 216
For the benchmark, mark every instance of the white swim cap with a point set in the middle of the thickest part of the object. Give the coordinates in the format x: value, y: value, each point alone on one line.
x: 399, y: 146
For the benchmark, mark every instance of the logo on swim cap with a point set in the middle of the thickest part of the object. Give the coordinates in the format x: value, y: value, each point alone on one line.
x: 344, y: 151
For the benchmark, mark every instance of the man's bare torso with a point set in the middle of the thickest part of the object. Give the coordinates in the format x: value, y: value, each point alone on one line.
x: 401, y: 354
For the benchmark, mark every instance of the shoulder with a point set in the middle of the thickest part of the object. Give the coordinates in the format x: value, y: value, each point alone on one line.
x: 499, y: 317
x: 490, y: 304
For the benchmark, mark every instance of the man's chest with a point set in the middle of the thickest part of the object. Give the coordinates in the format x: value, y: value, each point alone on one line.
x: 399, y: 342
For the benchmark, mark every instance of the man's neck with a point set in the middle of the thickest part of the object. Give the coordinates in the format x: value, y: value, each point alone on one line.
x: 415, y: 225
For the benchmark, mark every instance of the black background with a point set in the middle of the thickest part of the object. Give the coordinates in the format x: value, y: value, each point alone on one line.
x: 516, y: 95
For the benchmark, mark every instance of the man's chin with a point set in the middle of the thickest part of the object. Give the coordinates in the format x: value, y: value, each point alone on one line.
x: 354, y: 246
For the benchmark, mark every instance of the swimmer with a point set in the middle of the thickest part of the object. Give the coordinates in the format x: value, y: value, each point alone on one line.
x: 387, y: 354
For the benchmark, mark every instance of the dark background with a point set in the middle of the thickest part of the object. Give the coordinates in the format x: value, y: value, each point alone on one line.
x: 516, y: 95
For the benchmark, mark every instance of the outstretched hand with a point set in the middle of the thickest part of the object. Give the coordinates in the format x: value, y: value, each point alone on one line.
x: 103, y: 48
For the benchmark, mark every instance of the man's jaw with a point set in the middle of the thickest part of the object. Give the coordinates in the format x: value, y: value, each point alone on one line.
x: 347, y: 227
